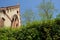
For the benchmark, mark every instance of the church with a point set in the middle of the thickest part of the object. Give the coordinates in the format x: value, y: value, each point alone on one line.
x: 10, y: 16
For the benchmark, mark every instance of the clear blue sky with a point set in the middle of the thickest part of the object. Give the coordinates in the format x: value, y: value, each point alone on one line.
x: 28, y: 4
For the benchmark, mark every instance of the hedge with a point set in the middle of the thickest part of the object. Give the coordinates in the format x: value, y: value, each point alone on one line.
x: 41, y: 30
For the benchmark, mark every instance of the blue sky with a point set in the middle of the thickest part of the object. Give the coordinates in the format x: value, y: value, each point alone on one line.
x: 28, y: 4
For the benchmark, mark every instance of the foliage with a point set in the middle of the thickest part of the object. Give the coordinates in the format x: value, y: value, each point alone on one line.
x: 28, y: 16
x: 58, y: 16
x: 46, y: 9
x: 37, y: 30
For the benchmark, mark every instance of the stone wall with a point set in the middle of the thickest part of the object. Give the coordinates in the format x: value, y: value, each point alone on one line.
x: 10, y: 11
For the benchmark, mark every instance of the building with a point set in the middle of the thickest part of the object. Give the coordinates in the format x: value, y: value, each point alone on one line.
x: 10, y: 16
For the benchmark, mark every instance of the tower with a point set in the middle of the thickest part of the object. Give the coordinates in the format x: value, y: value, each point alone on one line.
x: 10, y: 16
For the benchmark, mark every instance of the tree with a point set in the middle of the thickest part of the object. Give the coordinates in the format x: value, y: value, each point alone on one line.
x: 28, y: 16
x: 46, y: 9
x: 58, y: 16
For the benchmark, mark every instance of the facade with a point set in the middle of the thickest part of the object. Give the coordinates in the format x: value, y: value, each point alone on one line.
x: 10, y: 16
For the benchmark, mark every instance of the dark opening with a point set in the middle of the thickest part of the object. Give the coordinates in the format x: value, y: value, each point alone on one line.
x: 17, y: 11
x: 4, y: 11
x: 3, y: 19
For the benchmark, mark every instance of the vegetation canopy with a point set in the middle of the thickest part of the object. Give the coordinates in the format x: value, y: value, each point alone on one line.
x: 43, y: 30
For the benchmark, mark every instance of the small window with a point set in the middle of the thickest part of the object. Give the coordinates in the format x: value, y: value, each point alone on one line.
x: 17, y: 11
x: 3, y: 19
x: 4, y: 11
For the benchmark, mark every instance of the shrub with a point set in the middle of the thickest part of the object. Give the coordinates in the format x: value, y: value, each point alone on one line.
x: 41, y: 30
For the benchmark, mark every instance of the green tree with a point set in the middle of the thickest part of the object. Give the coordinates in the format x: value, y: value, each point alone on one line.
x: 58, y: 16
x: 28, y: 16
x: 46, y: 9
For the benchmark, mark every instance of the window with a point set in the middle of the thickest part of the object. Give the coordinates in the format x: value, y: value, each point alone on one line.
x: 17, y: 11
x: 3, y: 19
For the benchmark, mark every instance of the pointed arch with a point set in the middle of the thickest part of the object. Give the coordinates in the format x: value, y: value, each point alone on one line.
x: 14, y: 21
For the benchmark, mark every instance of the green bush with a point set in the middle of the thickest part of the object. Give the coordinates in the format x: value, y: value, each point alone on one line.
x: 41, y: 30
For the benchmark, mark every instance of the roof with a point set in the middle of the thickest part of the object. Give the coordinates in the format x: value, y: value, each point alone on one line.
x: 8, y: 7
